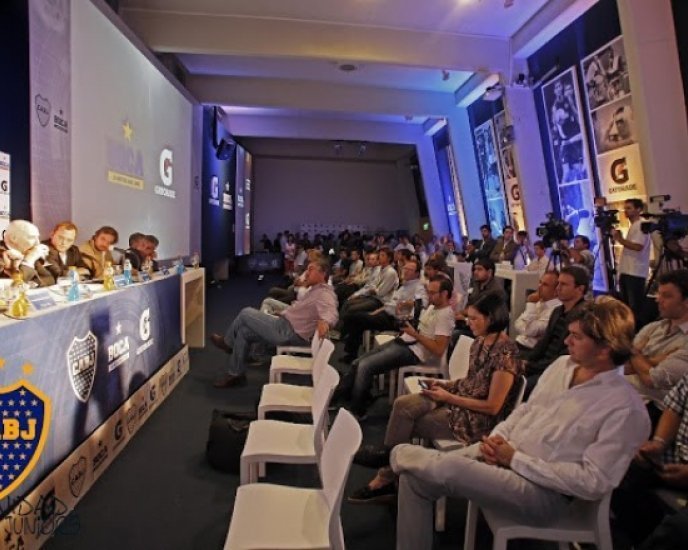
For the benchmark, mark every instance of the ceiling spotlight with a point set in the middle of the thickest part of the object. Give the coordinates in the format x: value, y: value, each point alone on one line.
x: 347, y: 67
x: 508, y: 3
x: 445, y: 75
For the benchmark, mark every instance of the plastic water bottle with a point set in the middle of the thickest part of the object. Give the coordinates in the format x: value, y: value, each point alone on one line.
x: 108, y: 277
x: 180, y: 265
x: 127, y: 271
x: 73, y: 293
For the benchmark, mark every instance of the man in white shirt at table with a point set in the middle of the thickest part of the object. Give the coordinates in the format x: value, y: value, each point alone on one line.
x: 532, y: 323
x: 574, y: 438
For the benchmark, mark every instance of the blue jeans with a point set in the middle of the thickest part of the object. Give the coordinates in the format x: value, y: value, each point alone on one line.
x: 385, y: 358
x: 251, y: 326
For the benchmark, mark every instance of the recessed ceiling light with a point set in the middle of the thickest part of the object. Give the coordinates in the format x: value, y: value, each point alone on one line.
x: 347, y: 67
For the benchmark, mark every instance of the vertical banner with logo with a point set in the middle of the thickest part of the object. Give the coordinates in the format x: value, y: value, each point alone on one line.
x: 569, y: 149
x: 242, y: 212
x: 50, y: 70
x: 608, y: 95
x: 508, y: 166
x: 4, y: 191
x: 493, y: 188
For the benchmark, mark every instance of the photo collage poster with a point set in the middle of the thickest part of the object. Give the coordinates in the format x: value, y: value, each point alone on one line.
x: 4, y: 191
x: 608, y: 96
x: 569, y: 150
x: 508, y: 166
x: 490, y: 175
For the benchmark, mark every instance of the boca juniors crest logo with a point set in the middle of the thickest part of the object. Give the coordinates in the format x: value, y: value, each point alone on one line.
x: 24, y: 423
x: 81, y: 364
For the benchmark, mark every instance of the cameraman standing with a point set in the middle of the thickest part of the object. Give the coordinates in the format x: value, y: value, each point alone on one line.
x: 635, y: 258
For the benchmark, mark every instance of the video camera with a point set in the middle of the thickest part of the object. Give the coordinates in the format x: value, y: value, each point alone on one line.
x: 670, y: 223
x: 605, y: 220
x: 554, y: 230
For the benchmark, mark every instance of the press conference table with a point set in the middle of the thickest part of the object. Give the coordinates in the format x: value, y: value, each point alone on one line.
x: 78, y: 379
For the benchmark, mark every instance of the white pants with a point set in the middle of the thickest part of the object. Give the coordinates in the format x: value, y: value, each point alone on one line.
x: 427, y: 474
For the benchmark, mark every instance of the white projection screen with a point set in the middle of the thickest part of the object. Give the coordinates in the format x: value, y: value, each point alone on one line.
x: 131, y: 139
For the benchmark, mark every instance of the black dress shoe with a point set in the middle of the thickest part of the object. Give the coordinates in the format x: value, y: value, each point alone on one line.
x: 382, y: 495
x: 219, y: 342
x: 372, y: 456
x: 230, y: 381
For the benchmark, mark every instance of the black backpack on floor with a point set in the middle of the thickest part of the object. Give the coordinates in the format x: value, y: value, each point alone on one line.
x: 226, y: 439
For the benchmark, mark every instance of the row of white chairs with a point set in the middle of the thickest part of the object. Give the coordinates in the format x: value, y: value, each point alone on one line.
x: 275, y: 516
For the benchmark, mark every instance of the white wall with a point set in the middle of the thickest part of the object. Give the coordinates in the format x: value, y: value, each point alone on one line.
x: 289, y: 192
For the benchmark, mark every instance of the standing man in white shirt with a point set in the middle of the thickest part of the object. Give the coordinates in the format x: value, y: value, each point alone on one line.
x: 532, y: 323
x: 574, y: 438
x: 524, y: 252
x: 635, y: 258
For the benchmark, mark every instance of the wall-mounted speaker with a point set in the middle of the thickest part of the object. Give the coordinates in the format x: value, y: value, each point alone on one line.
x: 225, y: 149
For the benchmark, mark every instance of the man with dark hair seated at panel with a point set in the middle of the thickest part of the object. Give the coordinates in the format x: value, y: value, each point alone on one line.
x: 295, y: 325
x: 427, y: 345
x: 152, y: 249
x: 138, y: 251
x: 574, y: 438
x: 63, y: 253
x: 660, y: 349
x: 571, y: 290
x: 95, y: 253
x: 22, y: 252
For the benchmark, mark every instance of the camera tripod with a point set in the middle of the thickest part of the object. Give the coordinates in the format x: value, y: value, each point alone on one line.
x: 554, y: 260
x: 607, y: 245
x: 668, y: 261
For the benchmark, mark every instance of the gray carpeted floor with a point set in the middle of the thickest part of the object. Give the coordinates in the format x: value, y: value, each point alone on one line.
x: 160, y: 493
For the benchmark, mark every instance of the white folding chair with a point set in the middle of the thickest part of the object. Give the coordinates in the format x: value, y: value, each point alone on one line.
x: 290, y: 397
x: 285, y: 442
x: 585, y: 521
x: 456, y: 370
x: 285, y: 362
x: 452, y: 444
x: 274, y: 516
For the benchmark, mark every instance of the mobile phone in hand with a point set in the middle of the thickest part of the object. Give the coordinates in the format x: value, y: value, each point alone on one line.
x: 424, y: 384
x: 654, y: 461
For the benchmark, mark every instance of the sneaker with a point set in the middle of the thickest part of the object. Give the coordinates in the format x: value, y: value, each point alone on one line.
x: 372, y: 456
x: 382, y: 495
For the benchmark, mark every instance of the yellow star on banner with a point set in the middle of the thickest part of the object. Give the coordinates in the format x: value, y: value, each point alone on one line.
x: 128, y: 131
x: 2, y: 363
x: 27, y: 368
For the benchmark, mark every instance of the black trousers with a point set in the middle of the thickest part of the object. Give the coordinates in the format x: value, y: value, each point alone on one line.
x: 355, y: 324
x: 633, y: 294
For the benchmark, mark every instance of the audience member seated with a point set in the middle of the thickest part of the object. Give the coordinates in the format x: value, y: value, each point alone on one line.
x: 483, y: 283
x: 301, y: 259
x: 465, y: 410
x: 289, y: 294
x: 484, y: 249
x: 505, y: 247
x: 660, y: 357
x: 377, y: 292
x: 95, y: 253
x: 355, y: 263
x: 574, y: 438
x: 426, y: 345
x: 540, y: 262
x: 571, y: 290
x: 63, y: 253
x: 532, y: 323
x: 340, y: 268
x: 22, y: 252
x: 660, y: 462
x: 524, y: 252
x: 436, y: 266
x: 421, y: 253
x: 386, y: 317
x: 293, y: 326
x: 366, y: 276
x: 404, y: 244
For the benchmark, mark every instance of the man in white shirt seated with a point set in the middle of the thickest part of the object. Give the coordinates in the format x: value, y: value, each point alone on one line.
x: 404, y: 244
x: 660, y: 349
x: 574, y: 438
x: 532, y: 323
x: 540, y: 262
x: 378, y: 291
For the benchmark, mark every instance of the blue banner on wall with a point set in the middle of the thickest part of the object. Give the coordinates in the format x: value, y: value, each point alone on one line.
x: 75, y: 366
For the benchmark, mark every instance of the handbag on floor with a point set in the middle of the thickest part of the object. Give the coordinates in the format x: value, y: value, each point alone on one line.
x: 226, y: 439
